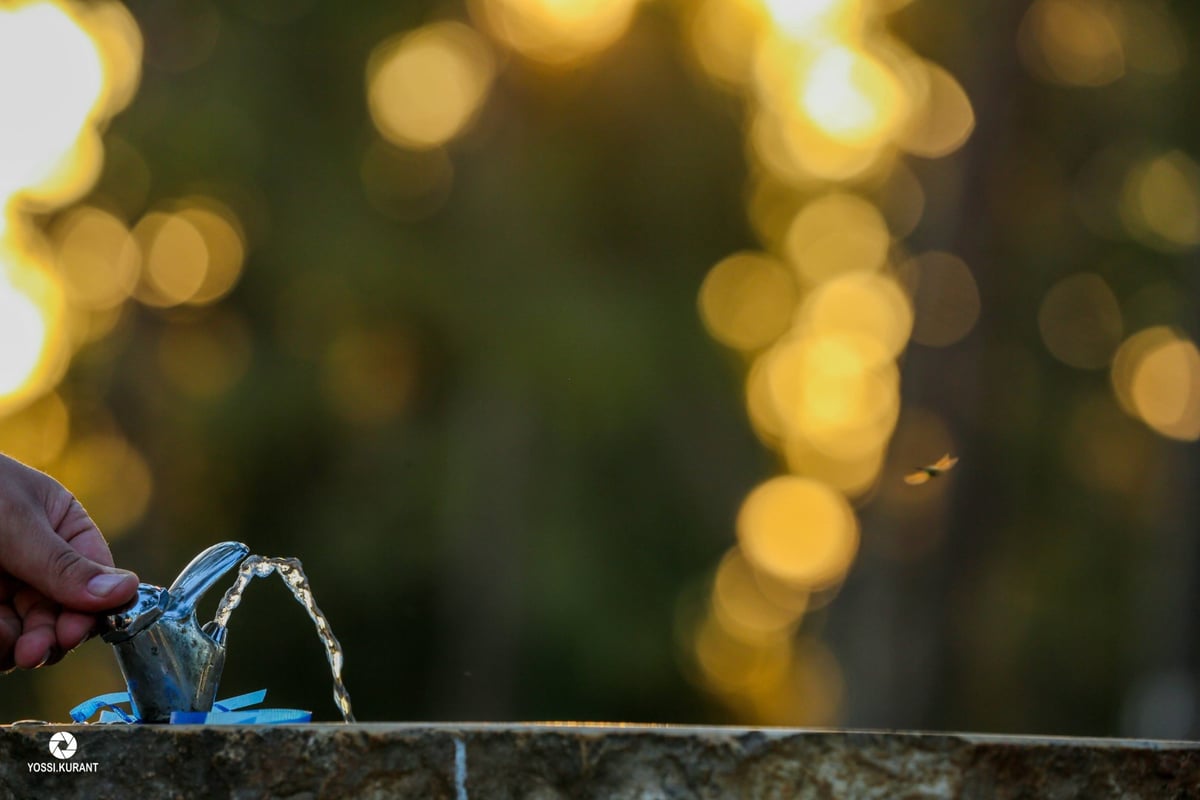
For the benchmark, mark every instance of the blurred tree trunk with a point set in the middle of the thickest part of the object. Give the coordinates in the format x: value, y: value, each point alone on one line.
x: 486, y: 501
x: 893, y: 626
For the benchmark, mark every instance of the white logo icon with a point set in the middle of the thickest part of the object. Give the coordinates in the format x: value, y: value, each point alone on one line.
x: 63, y: 745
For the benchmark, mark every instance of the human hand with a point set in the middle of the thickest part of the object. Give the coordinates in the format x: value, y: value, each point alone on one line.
x: 56, y: 573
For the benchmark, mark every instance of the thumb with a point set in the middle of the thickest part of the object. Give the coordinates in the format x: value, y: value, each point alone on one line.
x: 48, y: 541
x: 48, y: 563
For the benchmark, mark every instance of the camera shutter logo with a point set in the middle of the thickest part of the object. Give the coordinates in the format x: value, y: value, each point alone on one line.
x: 63, y: 745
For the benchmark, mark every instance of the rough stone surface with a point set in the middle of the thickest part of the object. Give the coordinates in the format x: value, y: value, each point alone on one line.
x: 548, y: 762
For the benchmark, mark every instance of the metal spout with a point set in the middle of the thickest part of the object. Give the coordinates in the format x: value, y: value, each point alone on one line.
x: 169, y: 662
x: 199, y: 575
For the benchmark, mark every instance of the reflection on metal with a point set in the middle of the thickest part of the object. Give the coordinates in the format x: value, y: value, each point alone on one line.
x: 169, y: 662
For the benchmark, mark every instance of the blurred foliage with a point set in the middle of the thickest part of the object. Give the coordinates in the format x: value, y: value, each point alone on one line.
x: 423, y: 295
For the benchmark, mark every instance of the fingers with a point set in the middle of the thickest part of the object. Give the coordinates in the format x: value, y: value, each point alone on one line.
x: 38, y: 640
x: 69, y: 519
x: 53, y: 546
x: 10, y: 624
x: 35, y: 631
x: 10, y: 631
x: 55, y: 568
x: 72, y: 630
x: 76, y: 527
x: 62, y: 573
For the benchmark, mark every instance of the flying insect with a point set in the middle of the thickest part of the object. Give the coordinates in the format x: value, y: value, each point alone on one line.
x: 925, y: 474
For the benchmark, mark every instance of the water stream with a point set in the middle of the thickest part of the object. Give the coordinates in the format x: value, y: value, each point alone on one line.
x: 293, y: 575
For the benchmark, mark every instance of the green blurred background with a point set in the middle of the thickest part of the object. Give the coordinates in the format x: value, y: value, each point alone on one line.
x: 468, y: 385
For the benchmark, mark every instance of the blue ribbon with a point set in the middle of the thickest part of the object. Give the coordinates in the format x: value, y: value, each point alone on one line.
x: 81, y: 712
x: 262, y: 716
x: 241, y: 701
x: 225, y: 712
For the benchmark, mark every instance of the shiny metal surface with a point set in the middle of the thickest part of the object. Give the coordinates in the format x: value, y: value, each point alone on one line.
x: 199, y: 576
x: 169, y: 662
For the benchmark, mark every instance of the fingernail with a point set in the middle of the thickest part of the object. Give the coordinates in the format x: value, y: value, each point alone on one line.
x: 45, y: 658
x: 103, y: 584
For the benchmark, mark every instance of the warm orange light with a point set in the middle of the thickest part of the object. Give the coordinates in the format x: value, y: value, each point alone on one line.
x: 817, y: 20
x: 1166, y: 389
x: 176, y: 259
x: 835, y: 234
x: 97, y: 257
x: 854, y: 475
x: 799, y: 531
x: 44, y: 53
x: 1156, y: 377
x: 768, y: 423
x: 942, y: 121
x: 810, y: 694
x: 224, y: 246
x: 792, y: 149
x: 424, y: 87
x: 901, y: 200
x: 852, y: 97
x: 1129, y: 355
x: 722, y: 35
x: 834, y: 103
x: 735, y: 665
x: 837, y: 392
x: 868, y: 307
x: 556, y: 32
x: 1080, y: 321
x: 57, y: 87
x: 945, y: 298
x: 70, y: 178
x: 1160, y: 203
x: 1072, y: 42
x: 827, y: 110
x: 32, y: 344
x: 747, y: 300
x: 110, y: 478
x: 744, y: 609
x: 36, y: 434
x: 23, y: 333
x: 119, y: 44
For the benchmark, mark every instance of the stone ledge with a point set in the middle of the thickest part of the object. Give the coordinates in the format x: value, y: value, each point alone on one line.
x: 570, y: 760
